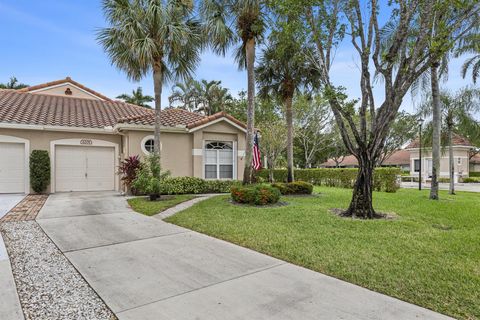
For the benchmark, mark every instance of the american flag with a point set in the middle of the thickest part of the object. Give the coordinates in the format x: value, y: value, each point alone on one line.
x: 256, y: 161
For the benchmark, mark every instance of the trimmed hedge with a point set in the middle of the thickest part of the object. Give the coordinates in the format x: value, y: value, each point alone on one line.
x: 384, y: 179
x: 192, y: 185
x: 260, y: 194
x: 297, y: 187
x: 471, y: 180
x: 39, y: 170
x: 474, y: 174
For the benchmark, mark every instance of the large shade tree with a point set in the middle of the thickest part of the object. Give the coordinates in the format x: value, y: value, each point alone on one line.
x: 239, y: 23
x: 283, y: 71
x: 158, y: 37
x: 399, y: 64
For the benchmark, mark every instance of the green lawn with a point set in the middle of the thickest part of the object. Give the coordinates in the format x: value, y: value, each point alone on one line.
x: 429, y: 255
x: 149, y: 208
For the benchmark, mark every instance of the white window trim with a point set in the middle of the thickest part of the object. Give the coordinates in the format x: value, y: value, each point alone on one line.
x: 144, y: 140
x: 234, y: 168
x: 76, y: 142
x: 26, y: 168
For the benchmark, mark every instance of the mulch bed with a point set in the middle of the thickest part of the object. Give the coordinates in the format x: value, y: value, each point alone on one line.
x: 27, y: 209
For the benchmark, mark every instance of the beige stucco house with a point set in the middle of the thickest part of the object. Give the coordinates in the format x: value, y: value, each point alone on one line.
x: 464, y: 163
x: 87, y: 134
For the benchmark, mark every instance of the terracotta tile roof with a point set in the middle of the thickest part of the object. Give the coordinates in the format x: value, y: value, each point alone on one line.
x: 216, y: 116
x: 457, y: 140
x: 40, y: 109
x: 62, y: 81
x: 400, y: 157
x: 475, y: 159
x: 170, y: 117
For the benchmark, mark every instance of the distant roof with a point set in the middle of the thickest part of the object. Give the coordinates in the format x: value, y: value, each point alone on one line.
x: 42, y: 109
x: 63, y: 81
x: 475, y: 159
x: 457, y: 140
x: 399, y: 157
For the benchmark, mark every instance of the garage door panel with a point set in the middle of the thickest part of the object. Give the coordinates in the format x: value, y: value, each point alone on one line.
x: 84, y: 168
x: 12, y: 167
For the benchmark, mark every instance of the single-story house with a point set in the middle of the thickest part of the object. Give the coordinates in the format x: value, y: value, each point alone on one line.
x: 400, y: 159
x: 462, y: 155
x: 87, y: 135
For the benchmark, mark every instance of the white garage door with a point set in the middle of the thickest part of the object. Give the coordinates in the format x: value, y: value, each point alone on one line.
x: 12, y: 167
x: 84, y: 168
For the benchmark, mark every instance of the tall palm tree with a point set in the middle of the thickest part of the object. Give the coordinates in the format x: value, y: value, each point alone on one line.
x: 137, y: 98
x: 13, y: 84
x: 242, y: 22
x: 458, y: 111
x: 158, y: 36
x: 470, y: 45
x: 284, y: 69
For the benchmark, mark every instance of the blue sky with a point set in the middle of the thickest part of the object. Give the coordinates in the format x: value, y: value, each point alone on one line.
x: 51, y: 39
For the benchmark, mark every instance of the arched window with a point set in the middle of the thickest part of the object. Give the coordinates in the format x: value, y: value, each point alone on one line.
x: 218, y: 160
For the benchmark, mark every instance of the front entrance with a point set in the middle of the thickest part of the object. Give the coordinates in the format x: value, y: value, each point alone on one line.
x: 79, y: 168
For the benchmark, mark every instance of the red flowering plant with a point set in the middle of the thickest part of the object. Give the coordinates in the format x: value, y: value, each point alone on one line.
x: 128, y: 170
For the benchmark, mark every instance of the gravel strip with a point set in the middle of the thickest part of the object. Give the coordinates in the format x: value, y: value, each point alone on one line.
x: 49, y: 287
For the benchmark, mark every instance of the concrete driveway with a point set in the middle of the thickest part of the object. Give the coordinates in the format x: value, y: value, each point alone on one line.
x: 8, y: 201
x: 144, y: 268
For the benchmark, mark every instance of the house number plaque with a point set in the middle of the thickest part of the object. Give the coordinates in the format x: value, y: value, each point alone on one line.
x: 86, y: 141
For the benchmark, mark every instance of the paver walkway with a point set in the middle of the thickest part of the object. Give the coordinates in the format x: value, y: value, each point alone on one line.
x: 144, y: 268
x: 27, y: 209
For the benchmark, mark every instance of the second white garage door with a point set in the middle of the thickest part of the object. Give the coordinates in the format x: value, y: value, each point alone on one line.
x: 12, y: 167
x: 84, y: 168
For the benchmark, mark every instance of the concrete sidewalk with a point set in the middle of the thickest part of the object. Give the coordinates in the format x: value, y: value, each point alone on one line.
x: 144, y: 268
x: 9, y: 303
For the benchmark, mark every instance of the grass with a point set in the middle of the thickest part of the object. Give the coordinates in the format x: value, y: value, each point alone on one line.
x: 429, y: 255
x: 149, y: 208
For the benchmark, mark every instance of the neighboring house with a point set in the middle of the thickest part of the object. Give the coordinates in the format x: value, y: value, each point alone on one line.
x: 400, y: 159
x: 475, y: 163
x: 463, y: 163
x: 87, y: 134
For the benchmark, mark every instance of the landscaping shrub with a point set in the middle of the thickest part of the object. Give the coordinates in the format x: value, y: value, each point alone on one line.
x: 297, y: 187
x: 471, y: 180
x: 150, y: 177
x: 128, y: 170
x: 474, y: 174
x: 385, y: 179
x: 192, y: 185
x: 39, y: 170
x: 260, y: 194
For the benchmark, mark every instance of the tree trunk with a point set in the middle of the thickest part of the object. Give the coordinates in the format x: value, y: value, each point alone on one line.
x: 437, y: 126
x: 270, y: 169
x: 289, y: 118
x: 361, y: 205
x: 157, y: 87
x: 451, y: 162
x: 250, y: 55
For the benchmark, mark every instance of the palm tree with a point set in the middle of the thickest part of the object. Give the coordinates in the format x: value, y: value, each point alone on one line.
x: 284, y: 69
x: 13, y: 84
x: 470, y: 45
x: 458, y: 110
x: 137, y: 98
x: 154, y: 36
x: 214, y: 97
x: 187, y: 94
x: 242, y: 22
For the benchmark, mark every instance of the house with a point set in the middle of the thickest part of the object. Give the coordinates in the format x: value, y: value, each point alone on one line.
x: 87, y: 135
x: 400, y: 159
x: 463, y: 162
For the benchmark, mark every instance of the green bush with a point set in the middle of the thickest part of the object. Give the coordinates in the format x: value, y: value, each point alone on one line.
x: 260, y: 194
x: 443, y: 180
x: 192, y: 185
x: 471, y: 180
x: 474, y: 174
x: 384, y: 179
x: 297, y: 187
x: 39, y: 170
x: 150, y: 177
